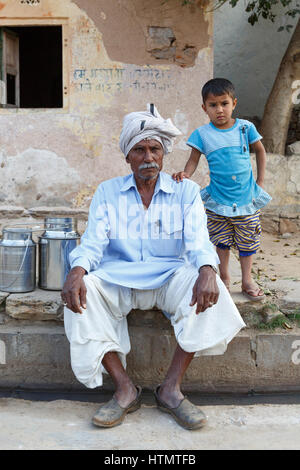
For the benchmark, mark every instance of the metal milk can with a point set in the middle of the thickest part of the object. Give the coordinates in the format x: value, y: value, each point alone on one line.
x: 55, y: 245
x: 17, y: 260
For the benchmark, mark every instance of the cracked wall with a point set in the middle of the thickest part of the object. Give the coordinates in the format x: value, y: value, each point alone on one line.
x: 160, y: 31
x: 118, y: 56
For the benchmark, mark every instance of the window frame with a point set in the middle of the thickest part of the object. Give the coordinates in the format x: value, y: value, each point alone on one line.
x: 7, y: 69
x: 63, y: 22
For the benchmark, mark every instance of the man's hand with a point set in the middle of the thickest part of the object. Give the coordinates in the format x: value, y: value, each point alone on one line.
x: 74, y: 291
x: 205, y: 290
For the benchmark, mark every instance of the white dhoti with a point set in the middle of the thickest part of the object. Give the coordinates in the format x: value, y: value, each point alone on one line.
x: 102, y: 327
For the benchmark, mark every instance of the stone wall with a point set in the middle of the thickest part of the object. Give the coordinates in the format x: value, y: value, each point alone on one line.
x: 282, y: 215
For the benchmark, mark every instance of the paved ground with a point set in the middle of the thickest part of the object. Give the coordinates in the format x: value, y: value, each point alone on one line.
x: 64, y: 424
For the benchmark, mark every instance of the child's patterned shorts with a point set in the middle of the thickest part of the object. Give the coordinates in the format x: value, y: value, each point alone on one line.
x: 242, y: 232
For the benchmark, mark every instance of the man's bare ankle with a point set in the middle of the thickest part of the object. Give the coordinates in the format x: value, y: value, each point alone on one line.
x: 171, y: 395
x: 125, y: 394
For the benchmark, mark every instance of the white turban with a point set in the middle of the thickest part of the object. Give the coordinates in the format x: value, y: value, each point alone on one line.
x: 148, y: 124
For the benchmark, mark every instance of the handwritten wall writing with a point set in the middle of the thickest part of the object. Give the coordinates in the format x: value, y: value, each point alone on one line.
x: 114, y: 80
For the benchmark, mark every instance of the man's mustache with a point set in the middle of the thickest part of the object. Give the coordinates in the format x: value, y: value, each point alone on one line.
x: 144, y: 166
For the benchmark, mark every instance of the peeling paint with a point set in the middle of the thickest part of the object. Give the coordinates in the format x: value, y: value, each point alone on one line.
x: 191, y: 25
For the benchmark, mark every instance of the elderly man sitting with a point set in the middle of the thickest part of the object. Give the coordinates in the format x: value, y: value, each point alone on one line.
x: 146, y: 244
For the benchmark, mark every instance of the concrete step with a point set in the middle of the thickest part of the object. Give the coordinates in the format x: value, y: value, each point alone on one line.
x: 37, y: 356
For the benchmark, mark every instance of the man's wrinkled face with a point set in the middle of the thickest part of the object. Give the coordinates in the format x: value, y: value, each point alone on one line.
x: 146, y: 159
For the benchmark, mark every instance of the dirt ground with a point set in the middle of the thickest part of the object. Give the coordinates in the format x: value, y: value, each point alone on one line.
x: 278, y: 258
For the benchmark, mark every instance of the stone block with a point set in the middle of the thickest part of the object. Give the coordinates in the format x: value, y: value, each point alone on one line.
x: 150, y: 355
x: 159, y: 38
x: 234, y: 370
x: 148, y: 319
x: 152, y: 351
x: 293, y: 149
x: 290, y: 302
x: 287, y: 226
x: 35, y: 356
x: 278, y: 361
x: 269, y: 224
x: 37, y: 305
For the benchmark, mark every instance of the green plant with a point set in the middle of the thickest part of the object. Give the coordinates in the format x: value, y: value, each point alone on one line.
x: 277, y: 322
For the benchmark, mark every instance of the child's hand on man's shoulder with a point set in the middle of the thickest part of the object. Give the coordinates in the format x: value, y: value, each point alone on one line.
x: 180, y: 176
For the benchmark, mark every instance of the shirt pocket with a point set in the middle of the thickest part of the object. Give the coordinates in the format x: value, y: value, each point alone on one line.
x: 167, y: 238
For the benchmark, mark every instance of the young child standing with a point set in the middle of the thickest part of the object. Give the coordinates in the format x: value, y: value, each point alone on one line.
x: 233, y: 198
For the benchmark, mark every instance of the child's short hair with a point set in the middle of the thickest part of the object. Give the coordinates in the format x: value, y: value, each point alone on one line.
x: 217, y: 87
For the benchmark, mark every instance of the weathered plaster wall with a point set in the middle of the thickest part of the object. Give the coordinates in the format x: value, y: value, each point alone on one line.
x: 125, y: 25
x: 114, y: 64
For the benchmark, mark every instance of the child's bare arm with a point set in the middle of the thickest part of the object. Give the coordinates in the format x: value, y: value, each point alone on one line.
x: 261, y: 158
x: 190, y: 166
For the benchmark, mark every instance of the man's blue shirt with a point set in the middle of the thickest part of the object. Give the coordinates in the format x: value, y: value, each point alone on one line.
x: 131, y: 246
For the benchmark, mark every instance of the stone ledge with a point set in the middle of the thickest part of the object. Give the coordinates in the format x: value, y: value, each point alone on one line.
x: 11, y: 211
x: 44, y: 305
x: 39, y: 356
x: 58, y: 211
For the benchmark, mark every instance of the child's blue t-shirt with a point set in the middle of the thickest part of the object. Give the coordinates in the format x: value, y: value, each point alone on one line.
x: 232, y: 190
